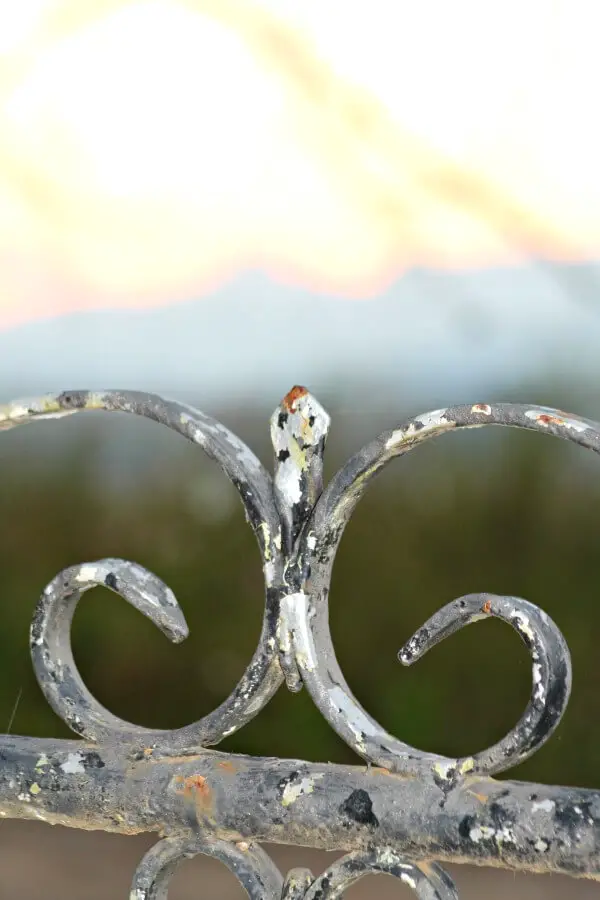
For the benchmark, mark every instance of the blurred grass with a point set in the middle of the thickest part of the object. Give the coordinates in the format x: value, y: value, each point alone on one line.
x: 493, y: 510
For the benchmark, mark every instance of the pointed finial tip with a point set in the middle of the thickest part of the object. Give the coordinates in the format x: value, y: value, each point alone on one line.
x: 290, y: 399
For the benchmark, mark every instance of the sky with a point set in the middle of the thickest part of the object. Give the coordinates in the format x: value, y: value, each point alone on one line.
x: 414, y: 183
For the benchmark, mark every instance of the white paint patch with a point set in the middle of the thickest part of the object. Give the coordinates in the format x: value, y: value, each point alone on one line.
x: 431, y: 421
x: 539, y: 693
x: 291, y: 792
x: 73, y: 764
x: 445, y: 770
x: 138, y: 894
x: 87, y: 573
x: 269, y: 570
x: 523, y: 625
x: 389, y: 857
x: 541, y: 846
x: 287, y: 480
x: 543, y: 806
x: 481, y: 834
x: 408, y: 880
x: 294, y: 633
x: 505, y: 835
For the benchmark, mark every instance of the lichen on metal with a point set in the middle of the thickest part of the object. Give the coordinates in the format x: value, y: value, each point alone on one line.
x: 408, y: 810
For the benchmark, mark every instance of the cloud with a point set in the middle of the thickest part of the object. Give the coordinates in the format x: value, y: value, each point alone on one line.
x: 151, y: 150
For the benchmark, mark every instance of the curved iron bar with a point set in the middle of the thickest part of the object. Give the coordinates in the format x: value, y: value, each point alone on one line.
x: 306, y: 609
x: 262, y: 880
x: 254, y: 869
x: 427, y: 880
x: 298, y: 527
x: 263, y: 675
x: 551, y: 673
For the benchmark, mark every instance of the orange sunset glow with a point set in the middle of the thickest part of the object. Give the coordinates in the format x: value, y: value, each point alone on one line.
x: 151, y: 150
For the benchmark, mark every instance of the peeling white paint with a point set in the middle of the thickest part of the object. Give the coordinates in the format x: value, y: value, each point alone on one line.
x: 294, y: 633
x: 269, y: 570
x: 543, y: 806
x: 73, y: 764
x: 408, y: 880
x: 292, y: 791
x: 287, y: 479
x: 523, y: 624
x: 431, y: 421
x: 539, y: 693
x: 42, y: 761
x: 87, y: 573
x: 266, y: 533
x: 481, y: 834
x: 445, y: 770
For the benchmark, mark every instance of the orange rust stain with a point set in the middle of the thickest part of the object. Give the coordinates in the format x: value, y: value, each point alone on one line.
x: 487, y: 607
x: 379, y: 770
x: 289, y: 401
x: 482, y: 407
x: 227, y: 766
x: 148, y: 751
x: 545, y: 419
x: 195, y: 786
x: 481, y: 797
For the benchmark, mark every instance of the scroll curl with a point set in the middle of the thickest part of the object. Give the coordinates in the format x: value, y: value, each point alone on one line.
x: 263, y: 675
x: 551, y: 673
x: 253, y: 868
x: 306, y: 609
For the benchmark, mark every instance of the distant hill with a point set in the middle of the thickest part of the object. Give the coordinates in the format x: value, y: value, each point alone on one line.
x: 442, y: 334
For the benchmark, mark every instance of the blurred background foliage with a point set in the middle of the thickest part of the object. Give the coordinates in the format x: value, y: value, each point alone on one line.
x: 492, y: 509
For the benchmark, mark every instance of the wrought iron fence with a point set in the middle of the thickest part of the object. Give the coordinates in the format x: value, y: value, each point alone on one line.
x: 406, y: 810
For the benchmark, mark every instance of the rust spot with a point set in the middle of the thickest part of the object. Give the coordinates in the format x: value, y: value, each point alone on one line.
x: 148, y: 751
x: 484, y: 408
x: 481, y: 797
x: 545, y: 419
x: 194, y: 785
x: 289, y: 401
x: 487, y: 607
x: 379, y: 770
x: 228, y: 767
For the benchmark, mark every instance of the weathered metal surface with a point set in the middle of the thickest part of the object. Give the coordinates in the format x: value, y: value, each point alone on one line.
x: 406, y: 810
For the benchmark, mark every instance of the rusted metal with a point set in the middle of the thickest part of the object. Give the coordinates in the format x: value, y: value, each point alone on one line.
x: 408, y: 810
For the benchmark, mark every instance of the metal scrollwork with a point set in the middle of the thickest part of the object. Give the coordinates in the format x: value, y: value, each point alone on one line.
x: 298, y: 525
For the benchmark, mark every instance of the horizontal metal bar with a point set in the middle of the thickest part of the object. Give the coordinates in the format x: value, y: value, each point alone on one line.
x: 476, y: 820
